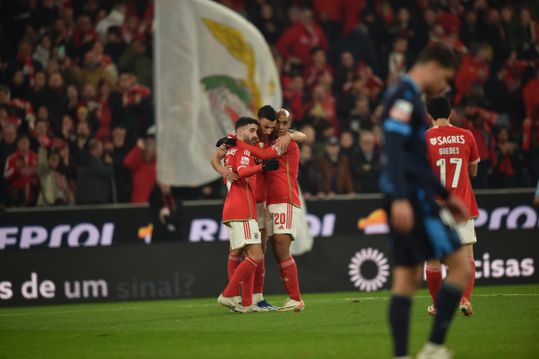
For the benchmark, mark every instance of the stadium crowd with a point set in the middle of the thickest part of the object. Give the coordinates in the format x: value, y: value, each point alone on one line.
x: 76, y: 106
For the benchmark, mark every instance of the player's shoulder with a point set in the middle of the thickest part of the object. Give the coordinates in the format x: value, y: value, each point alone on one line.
x: 465, y: 132
x: 400, y: 100
x: 456, y: 129
x: 293, y: 149
x: 404, y: 89
x: 432, y: 131
x: 233, y: 151
x: 294, y: 145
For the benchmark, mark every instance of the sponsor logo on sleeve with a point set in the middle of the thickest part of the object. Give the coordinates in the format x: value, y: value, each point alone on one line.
x: 401, y: 111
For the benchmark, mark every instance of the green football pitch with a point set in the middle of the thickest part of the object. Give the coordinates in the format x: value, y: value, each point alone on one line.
x: 340, y: 325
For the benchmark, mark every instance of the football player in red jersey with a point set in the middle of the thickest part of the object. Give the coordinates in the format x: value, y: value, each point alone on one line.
x: 454, y: 157
x: 284, y: 207
x: 239, y: 216
x: 268, y: 137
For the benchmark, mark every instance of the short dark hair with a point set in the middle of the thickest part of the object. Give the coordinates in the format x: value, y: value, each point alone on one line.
x: 438, y: 107
x: 244, y: 121
x: 267, y: 112
x: 439, y: 53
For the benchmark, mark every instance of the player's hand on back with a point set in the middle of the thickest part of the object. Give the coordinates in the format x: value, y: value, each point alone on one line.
x: 283, y: 142
x: 230, y: 175
x: 270, y: 165
x: 402, y: 216
x: 457, y: 208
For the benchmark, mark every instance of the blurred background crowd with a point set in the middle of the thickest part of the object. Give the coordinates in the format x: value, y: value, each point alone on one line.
x: 76, y: 102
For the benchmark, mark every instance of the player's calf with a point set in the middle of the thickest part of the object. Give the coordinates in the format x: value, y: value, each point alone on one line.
x: 433, y: 273
x: 460, y: 273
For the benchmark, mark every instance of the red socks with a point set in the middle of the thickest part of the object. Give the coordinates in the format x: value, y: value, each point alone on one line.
x: 259, y: 278
x: 289, y: 275
x: 233, y: 263
x: 471, y: 284
x: 434, y: 281
x: 243, y: 275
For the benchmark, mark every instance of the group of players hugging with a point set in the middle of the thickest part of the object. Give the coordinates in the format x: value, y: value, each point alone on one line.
x: 261, y: 159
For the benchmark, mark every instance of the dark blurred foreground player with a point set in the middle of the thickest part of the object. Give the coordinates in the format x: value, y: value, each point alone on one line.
x: 240, y: 218
x: 420, y: 229
x: 454, y: 157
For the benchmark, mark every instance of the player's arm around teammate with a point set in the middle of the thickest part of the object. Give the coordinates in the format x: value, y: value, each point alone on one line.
x: 215, y: 161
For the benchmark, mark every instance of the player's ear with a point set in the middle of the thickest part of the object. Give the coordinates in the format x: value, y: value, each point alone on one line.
x: 431, y: 120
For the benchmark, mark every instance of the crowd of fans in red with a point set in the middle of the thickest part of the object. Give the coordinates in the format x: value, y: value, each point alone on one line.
x: 336, y: 58
x: 76, y: 106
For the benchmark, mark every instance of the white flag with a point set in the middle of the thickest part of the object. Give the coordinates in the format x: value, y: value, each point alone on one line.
x: 304, y: 239
x: 211, y: 66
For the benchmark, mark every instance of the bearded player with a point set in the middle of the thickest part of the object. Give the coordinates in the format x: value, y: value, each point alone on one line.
x: 239, y: 217
x: 284, y: 207
x: 454, y: 157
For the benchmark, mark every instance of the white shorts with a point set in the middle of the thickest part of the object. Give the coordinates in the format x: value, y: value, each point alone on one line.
x: 243, y: 233
x: 284, y: 219
x: 262, y: 215
x: 466, y: 231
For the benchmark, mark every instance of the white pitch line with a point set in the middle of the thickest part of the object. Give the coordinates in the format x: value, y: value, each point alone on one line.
x: 313, y: 300
x: 473, y: 295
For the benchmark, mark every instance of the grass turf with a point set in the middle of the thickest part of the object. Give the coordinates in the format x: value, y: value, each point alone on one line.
x: 344, y: 325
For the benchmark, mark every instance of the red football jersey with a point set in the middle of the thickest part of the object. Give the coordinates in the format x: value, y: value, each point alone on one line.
x: 240, y: 199
x: 451, y: 150
x: 282, y: 184
x: 260, y: 188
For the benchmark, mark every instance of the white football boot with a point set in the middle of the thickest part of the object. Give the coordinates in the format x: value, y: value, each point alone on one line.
x: 229, y: 302
x: 292, y: 305
x: 434, y: 351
